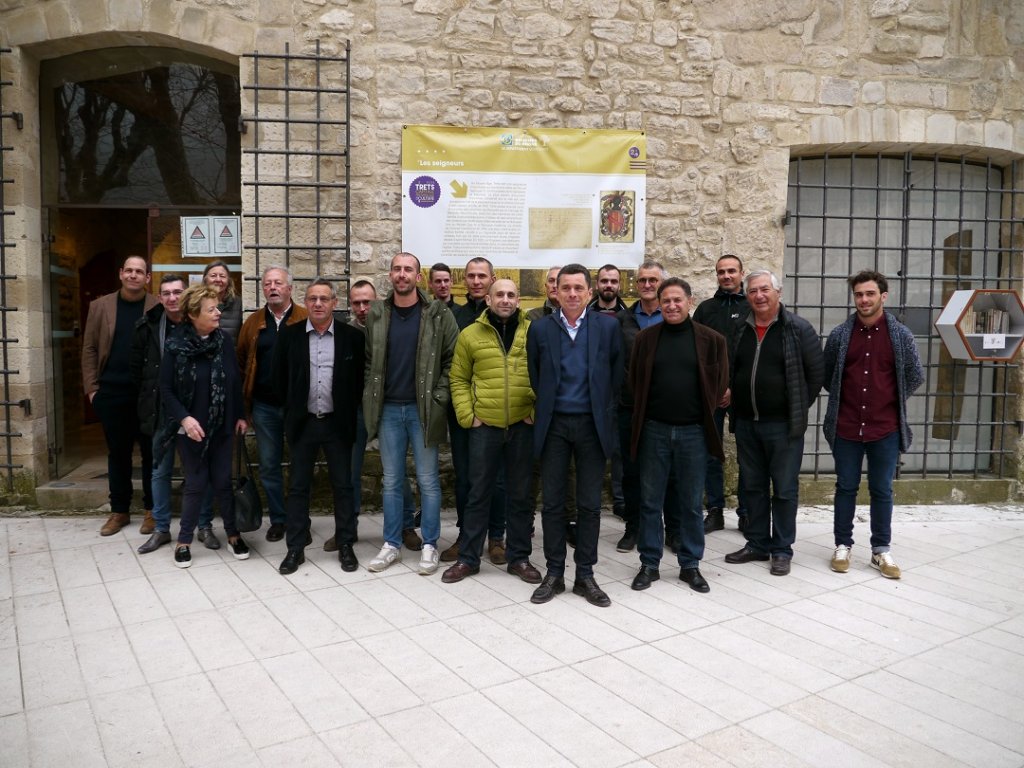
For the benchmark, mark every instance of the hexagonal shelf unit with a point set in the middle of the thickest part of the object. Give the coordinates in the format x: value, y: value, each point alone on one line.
x: 982, y: 325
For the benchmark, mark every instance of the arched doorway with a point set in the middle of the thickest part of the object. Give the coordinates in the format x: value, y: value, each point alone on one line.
x: 132, y: 138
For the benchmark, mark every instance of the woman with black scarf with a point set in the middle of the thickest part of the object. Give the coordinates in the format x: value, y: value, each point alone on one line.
x: 201, y: 392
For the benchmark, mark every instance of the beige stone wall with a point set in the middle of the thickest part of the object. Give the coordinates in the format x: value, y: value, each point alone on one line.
x: 727, y: 91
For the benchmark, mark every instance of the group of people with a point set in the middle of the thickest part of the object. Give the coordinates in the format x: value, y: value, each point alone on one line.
x: 550, y: 395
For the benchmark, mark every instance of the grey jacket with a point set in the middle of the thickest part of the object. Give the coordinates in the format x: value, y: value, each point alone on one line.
x: 909, y: 373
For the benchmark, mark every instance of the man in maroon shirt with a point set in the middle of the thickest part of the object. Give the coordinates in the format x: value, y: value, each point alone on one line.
x: 871, y: 368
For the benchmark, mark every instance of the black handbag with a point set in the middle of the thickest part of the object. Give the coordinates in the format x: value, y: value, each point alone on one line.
x: 248, y: 507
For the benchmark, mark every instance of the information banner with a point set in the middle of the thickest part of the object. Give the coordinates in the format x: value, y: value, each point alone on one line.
x: 524, y: 197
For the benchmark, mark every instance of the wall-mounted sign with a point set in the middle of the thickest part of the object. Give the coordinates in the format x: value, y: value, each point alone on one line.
x: 531, y: 197
x: 218, y: 236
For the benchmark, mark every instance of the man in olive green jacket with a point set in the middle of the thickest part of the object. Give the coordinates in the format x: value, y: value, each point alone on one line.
x: 493, y: 399
x: 410, y: 340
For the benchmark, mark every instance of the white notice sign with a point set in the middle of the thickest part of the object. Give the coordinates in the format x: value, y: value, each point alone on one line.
x: 211, y: 236
x: 994, y: 341
x: 195, y: 236
x: 226, y: 241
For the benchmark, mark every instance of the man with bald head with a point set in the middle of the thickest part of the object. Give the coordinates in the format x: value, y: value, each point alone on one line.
x: 493, y: 401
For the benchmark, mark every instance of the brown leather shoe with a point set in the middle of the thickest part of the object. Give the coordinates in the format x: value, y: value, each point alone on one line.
x: 496, y: 551
x: 148, y: 523
x: 411, y: 540
x: 114, y: 523
x: 451, y: 554
x: 525, y: 571
x: 331, y: 545
x: 458, y: 572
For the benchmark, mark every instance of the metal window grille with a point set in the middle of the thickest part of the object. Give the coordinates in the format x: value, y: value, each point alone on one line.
x: 298, y: 166
x: 6, y: 341
x: 932, y: 226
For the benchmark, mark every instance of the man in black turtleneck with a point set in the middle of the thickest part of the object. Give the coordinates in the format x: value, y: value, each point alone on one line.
x: 679, y: 372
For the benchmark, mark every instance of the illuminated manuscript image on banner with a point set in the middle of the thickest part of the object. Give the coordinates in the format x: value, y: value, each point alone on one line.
x: 524, y: 197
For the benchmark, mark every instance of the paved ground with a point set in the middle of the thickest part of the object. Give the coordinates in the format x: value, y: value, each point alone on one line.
x: 109, y: 658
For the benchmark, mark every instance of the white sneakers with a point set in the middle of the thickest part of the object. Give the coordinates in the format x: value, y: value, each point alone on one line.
x: 387, y: 557
x: 429, y: 559
x: 841, y: 559
x: 882, y: 561
x: 886, y: 565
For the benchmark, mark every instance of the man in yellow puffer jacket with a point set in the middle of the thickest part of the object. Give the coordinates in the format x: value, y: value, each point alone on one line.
x: 493, y: 399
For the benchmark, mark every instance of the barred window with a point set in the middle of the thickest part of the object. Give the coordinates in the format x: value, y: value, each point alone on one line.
x: 931, y: 225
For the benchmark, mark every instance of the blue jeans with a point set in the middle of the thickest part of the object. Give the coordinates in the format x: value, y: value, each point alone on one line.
x: 358, y: 451
x: 400, y: 428
x: 162, y: 489
x: 497, y: 451
x: 268, y: 421
x: 714, y: 485
x: 680, y: 450
x: 572, y: 437
x: 631, y: 480
x: 882, y: 458
x: 770, y: 473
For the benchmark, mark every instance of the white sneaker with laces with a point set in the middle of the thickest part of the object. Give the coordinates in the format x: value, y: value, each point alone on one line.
x: 387, y: 557
x: 883, y: 562
x: 841, y: 559
x: 429, y: 559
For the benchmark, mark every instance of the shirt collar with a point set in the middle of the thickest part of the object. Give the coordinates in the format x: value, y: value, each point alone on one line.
x: 329, y: 331
x: 579, y: 320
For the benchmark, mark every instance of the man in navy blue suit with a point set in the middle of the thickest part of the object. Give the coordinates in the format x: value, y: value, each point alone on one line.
x: 575, y: 362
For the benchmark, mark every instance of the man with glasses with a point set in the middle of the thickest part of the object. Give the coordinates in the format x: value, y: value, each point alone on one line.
x: 318, y: 371
x: 645, y: 313
x: 151, y: 332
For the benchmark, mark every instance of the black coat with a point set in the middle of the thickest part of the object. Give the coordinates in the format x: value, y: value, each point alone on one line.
x: 145, y: 367
x: 291, y: 377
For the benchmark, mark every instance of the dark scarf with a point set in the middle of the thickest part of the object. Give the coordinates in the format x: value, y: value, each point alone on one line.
x: 186, y: 347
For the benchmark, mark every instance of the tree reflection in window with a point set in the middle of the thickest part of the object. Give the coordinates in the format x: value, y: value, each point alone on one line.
x: 160, y: 134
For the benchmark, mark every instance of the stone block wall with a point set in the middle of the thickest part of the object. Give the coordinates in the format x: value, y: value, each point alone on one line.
x: 726, y: 90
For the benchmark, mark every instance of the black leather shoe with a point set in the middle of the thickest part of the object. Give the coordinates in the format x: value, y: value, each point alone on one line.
x: 309, y: 537
x: 644, y: 577
x: 628, y: 541
x: 745, y: 555
x: 780, y: 566
x: 715, y: 521
x: 551, y: 586
x: 587, y: 587
x: 154, y: 542
x: 347, y: 558
x: 292, y: 561
x: 275, y: 532
x: 692, y: 577
x: 741, y: 523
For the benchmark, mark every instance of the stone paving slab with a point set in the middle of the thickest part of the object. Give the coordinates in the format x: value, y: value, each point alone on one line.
x: 109, y: 658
